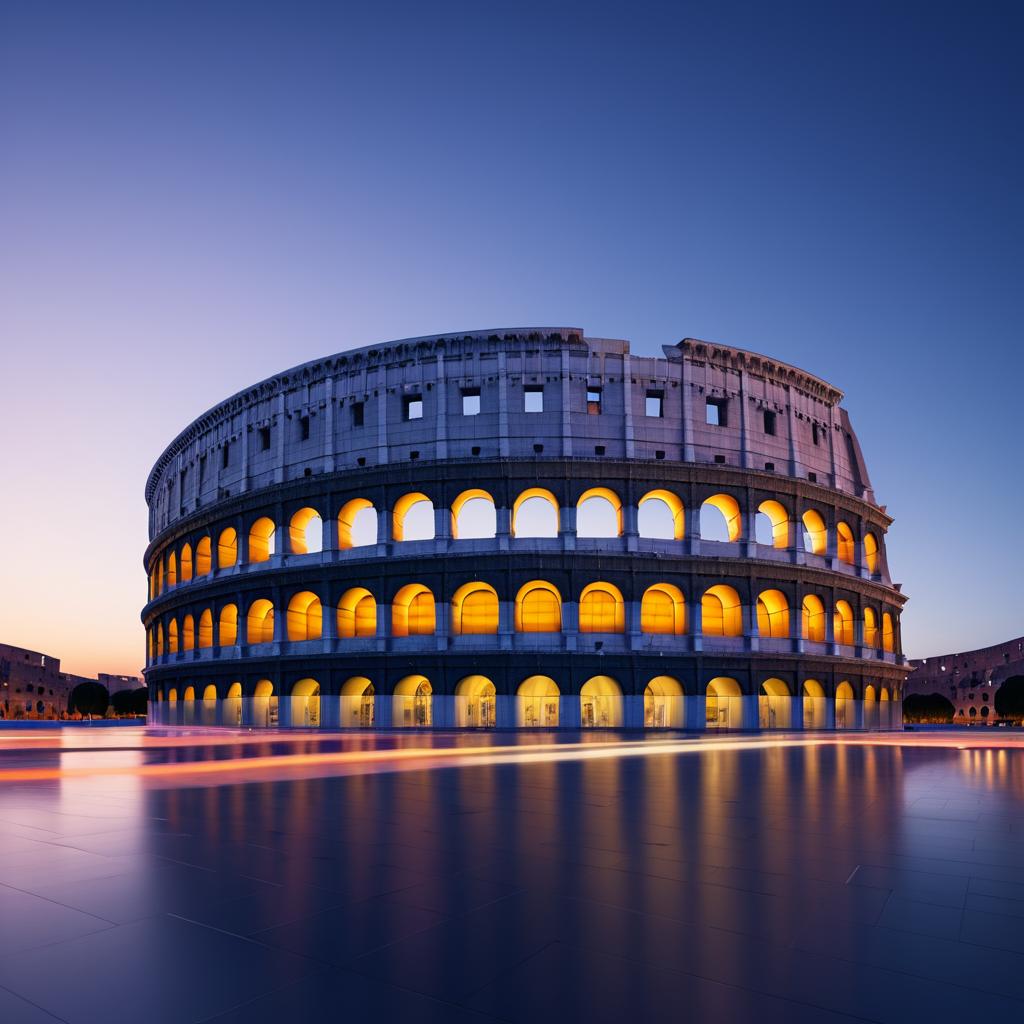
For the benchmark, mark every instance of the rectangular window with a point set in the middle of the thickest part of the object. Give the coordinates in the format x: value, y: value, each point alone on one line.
x: 303, y: 428
x: 265, y: 439
x: 533, y: 398
x: 769, y: 423
x: 357, y: 414
x: 412, y: 407
x: 202, y: 469
x: 594, y: 401
x: 226, y: 455
x: 714, y: 412
x: 815, y: 437
x: 655, y: 404
x: 470, y: 401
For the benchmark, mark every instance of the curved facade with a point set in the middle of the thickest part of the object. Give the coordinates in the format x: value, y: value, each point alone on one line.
x: 523, y: 528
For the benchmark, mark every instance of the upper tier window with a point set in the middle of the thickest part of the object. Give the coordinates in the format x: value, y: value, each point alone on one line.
x: 533, y: 398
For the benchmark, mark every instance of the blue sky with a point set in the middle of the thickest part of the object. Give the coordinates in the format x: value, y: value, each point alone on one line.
x: 193, y: 196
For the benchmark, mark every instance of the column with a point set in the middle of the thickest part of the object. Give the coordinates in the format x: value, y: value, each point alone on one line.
x: 695, y: 612
x: 570, y: 623
x: 627, y: 405
x: 691, y: 541
x: 384, y: 541
x: 630, y: 526
x: 566, y: 400
x: 503, y: 448
x: 696, y: 716
x: 328, y: 434
x: 751, y: 714
x: 569, y: 716
x: 441, y: 391
x: 567, y: 527
x: 506, y: 624
x: 503, y: 527
x: 744, y: 446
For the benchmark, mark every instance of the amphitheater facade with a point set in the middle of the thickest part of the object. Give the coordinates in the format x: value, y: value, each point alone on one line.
x: 523, y: 528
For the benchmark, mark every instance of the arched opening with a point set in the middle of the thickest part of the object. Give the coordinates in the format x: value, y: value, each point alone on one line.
x: 412, y: 611
x: 871, y: 552
x: 160, y: 575
x: 885, y: 710
x: 870, y: 628
x: 262, y: 540
x: 814, y: 704
x: 160, y: 648
x: 185, y: 566
x: 304, y: 618
x: 537, y: 703
x: 538, y: 608
x: 357, y: 696
x: 663, y: 703
x: 720, y: 519
x: 208, y: 706
x: 259, y: 625
x: 227, y: 632
x: 357, y: 614
x: 413, y: 703
x: 357, y: 525
x: 771, y: 525
x: 599, y: 513
x: 600, y: 703
x: 888, y: 633
x: 475, y: 703
x: 774, y: 705
x: 663, y: 610
x: 413, y: 518
x: 723, y: 704
x: 535, y: 514
x: 475, y: 609
x: 844, y: 543
x: 870, y: 707
x: 264, y: 705
x: 772, y: 614
x: 721, y: 613
x: 172, y: 696
x: 815, y: 533
x: 814, y: 618
x: 233, y: 706
x: 203, y: 557
x: 474, y: 516
x: 306, y: 532
x: 188, y: 633
x: 660, y: 516
x: 188, y: 711
x: 206, y: 629
x: 227, y: 548
x: 172, y: 570
x: 172, y: 636
x: 845, y: 709
x: 602, y: 609
x: 305, y: 704
x: 842, y: 623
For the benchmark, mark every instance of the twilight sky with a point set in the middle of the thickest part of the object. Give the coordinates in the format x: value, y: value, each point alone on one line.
x: 195, y: 197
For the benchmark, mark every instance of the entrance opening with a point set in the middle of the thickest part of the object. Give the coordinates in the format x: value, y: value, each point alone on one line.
x: 537, y: 703
x: 475, y: 703
x: 663, y: 703
x: 600, y: 703
x: 723, y: 704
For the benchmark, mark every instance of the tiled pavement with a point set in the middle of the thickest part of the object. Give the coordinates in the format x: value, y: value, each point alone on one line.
x: 818, y: 883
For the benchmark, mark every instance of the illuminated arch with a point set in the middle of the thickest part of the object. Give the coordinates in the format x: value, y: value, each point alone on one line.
x: 600, y: 703
x: 357, y: 524
x: 814, y: 702
x: 663, y: 703
x: 412, y: 702
x: 602, y: 609
x: 870, y: 628
x: 871, y: 552
x: 264, y: 704
x: 357, y: 702
x: 357, y: 614
x: 234, y: 690
x: 777, y: 518
x: 475, y: 609
x: 188, y: 633
x: 475, y: 703
x: 815, y: 532
x: 264, y: 688
x: 773, y: 705
x: 413, y: 518
x: 189, y: 695
x: 185, y: 563
x: 723, y: 708
x: 262, y: 539
x: 160, y: 640
x: 160, y: 575
x: 172, y: 636
x: 233, y: 705
x: 814, y: 618
x: 172, y: 696
x: 210, y: 693
x: 888, y: 633
x: 259, y: 625
x: 720, y: 518
x: 227, y: 631
x: 844, y: 543
x: 306, y: 532
x: 537, y: 701
x: 305, y: 704
x: 660, y: 515
x: 772, y: 614
x: 842, y: 623
x: 203, y: 556
x: 304, y: 617
x: 172, y: 570
x: 535, y: 514
x: 227, y: 548
x: 599, y: 513
x: 538, y: 608
x: 721, y: 613
x: 413, y: 612
x: 663, y: 610
x: 474, y: 516
x: 205, y: 631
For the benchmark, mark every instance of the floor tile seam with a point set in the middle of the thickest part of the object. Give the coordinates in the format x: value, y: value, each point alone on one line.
x: 30, y: 1002
x: 505, y: 970
x: 58, y: 903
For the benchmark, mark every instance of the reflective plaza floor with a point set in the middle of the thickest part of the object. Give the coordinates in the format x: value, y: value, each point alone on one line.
x: 171, y: 876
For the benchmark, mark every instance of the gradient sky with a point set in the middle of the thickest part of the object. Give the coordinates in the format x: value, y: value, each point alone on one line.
x: 194, y: 197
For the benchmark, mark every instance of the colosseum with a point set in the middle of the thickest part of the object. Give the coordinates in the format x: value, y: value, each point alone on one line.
x: 523, y: 528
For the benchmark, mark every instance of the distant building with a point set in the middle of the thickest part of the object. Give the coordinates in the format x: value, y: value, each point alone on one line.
x: 115, y: 684
x: 969, y: 679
